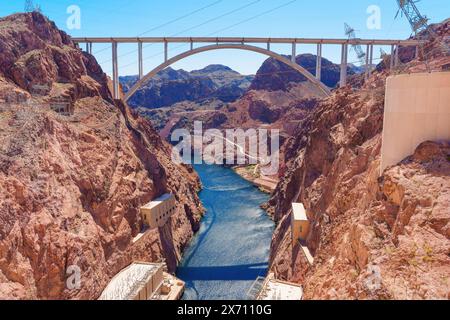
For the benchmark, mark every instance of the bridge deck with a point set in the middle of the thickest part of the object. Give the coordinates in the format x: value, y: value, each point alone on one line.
x: 386, y: 42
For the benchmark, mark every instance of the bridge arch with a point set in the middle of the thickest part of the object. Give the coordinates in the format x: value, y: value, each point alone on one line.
x: 189, y: 53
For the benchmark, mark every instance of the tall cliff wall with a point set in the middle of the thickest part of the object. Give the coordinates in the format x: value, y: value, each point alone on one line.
x: 71, y: 186
x: 372, y: 237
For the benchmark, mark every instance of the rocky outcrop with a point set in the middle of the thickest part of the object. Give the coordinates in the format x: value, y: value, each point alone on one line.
x: 172, y: 86
x: 397, y: 247
x: 71, y: 184
x: 372, y: 237
x: 275, y: 75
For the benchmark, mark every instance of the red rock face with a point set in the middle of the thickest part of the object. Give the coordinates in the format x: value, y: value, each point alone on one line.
x: 275, y: 75
x: 71, y: 187
x: 372, y: 237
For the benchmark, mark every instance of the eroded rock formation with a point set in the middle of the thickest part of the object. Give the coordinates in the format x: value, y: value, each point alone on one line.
x: 372, y: 237
x: 71, y: 185
x: 172, y: 86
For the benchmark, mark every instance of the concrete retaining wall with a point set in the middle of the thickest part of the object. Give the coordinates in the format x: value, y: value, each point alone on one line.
x: 417, y: 109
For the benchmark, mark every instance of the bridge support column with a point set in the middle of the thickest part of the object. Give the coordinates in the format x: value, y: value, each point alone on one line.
x: 417, y: 53
x: 344, y: 54
x: 396, y: 59
x: 268, y: 46
x: 369, y: 61
x: 166, y: 50
x: 319, y: 62
x: 141, y: 62
x: 294, y: 52
x: 115, y: 71
x: 391, y: 66
x: 192, y: 45
x: 89, y: 47
x: 367, y: 71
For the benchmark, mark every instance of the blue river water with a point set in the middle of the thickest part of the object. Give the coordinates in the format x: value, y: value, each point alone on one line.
x: 231, y: 248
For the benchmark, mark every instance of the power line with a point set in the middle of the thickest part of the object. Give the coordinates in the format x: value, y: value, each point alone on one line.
x: 196, y: 26
x: 90, y: 8
x: 172, y: 21
x: 255, y: 17
x: 217, y: 18
x: 217, y: 31
x: 182, y: 17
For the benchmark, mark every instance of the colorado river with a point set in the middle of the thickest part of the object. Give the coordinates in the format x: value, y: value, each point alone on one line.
x: 231, y: 248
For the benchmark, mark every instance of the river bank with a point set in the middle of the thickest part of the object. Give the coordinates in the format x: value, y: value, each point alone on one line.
x: 252, y: 175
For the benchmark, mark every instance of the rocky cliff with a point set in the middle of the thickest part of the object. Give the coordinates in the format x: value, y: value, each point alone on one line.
x: 75, y: 167
x: 372, y: 237
x: 275, y: 75
x: 172, y: 86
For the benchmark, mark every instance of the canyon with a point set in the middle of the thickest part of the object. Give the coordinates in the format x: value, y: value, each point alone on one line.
x: 221, y: 98
x: 384, y: 237
x: 72, y: 182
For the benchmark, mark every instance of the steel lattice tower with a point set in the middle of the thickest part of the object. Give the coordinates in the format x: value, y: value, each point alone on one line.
x: 350, y: 32
x: 29, y: 6
x: 417, y: 21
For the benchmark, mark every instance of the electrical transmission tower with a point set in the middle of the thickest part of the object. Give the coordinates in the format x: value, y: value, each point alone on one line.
x: 417, y: 21
x: 419, y: 24
x: 350, y: 32
x: 29, y: 6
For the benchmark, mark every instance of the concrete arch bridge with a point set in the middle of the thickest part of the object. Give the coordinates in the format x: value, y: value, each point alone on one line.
x: 247, y: 44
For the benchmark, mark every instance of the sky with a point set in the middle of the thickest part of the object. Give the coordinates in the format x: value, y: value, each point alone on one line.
x: 242, y: 18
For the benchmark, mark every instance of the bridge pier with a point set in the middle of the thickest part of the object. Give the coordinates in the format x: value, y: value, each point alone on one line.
x: 89, y: 47
x: 319, y: 62
x: 141, y: 63
x: 369, y: 61
x: 268, y: 46
x: 396, y: 59
x: 344, y: 57
x: 394, y: 56
x: 116, y: 94
x: 391, y: 66
x: 367, y: 71
x: 166, y: 51
x: 294, y: 52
